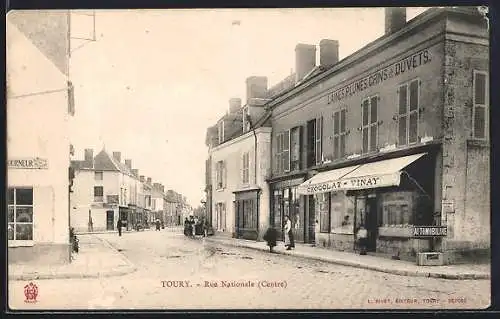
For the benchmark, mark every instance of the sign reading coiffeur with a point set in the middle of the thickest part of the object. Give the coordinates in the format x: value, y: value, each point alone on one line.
x: 28, y: 163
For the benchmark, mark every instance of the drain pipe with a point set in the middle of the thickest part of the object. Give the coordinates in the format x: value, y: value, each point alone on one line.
x: 249, y: 119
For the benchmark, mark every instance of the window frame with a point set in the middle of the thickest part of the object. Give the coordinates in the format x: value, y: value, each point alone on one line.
x: 101, y: 196
x: 409, y: 112
x: 370, y: 124
x: 245, y: 170
x: 96, y: 173
x: 21, y: 242
x: 318, y: 140
x: 285, y: 153
x: 485, y: 106
x: 340, y: 133
x: 298, y: 161
x: 219, y: 172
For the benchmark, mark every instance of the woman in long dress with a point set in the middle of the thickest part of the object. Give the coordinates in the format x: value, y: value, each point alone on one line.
x: 287, y: 230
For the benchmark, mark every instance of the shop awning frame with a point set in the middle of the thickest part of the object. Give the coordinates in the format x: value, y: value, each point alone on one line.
x: 384, y: 173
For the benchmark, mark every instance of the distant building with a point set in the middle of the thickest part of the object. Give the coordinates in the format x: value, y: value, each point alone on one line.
x: 39, y: 104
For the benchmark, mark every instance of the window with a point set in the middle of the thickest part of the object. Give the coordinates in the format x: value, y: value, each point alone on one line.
x: 99, y: 194
x: 409, y: 100
x: 246, y: 122
x: 339, y: 133
x: 323, y: 206
x: 480, y: 105
x: 220, y: 172
x: 245, y: 168
x: 318, y: 150
x: 369, y: 124
x: 249, y: 215
x: 285, y: 155
x: 20, y: 211
x: 221, y: 216
x: 98, y: 176
x: 295, y: 148
x: 220, y: 130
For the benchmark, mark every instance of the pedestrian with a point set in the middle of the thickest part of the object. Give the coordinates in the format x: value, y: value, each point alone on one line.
x: 289, y: 240
x: 362, y: 237
x: 186, y: 227
x: 270, y: 237
x: 119, y: 225
x: 158, y: 224
x: 192, y: 224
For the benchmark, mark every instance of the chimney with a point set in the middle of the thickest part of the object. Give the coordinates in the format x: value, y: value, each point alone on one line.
x: 135, y: 171
x: 149, y: 180
x: 141, y: 178
x: 117, y: 156
x: 305, y: 60
x: 128, y: 163
x: 234, y: 105
x: 88, y: 158
x: 256, y: 87
x: 395, y: 19
x: 328, y: 52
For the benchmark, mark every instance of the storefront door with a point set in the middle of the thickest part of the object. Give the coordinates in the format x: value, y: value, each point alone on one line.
x: 371, y: 223
x: 110, y: 220
x: 311, y: 220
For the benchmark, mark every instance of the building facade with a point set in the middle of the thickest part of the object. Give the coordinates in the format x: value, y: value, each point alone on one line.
x: 393, y: 138
x: 38, y: 155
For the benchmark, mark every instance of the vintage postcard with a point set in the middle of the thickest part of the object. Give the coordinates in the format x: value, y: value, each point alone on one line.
x: 257, y: 159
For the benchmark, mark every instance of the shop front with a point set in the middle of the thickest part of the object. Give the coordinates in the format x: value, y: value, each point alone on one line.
x: 392, y: 199
x: 247, y: 213
x: 287, y: 201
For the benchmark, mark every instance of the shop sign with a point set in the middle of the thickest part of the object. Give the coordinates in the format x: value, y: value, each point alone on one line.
x: 448, y: 206
x: 28, y: 163
x: 407, y: 64
x: 430, y: 231
x: 357, y: 183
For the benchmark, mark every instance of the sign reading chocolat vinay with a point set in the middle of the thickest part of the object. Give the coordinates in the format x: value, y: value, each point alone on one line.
x: 405, y: 65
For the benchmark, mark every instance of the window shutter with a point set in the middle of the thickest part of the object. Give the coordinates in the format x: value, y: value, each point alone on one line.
x: 301, y: 145
x: 286, y: 151
x: 224, y: 169
x: 319, y: 136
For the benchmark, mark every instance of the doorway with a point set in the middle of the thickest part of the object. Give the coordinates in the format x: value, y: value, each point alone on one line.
x: 110, y: 220
x: 311, y: 220
x: 371, y: 222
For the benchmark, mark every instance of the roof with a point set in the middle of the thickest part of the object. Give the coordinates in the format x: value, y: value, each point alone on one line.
x: 106, y: 162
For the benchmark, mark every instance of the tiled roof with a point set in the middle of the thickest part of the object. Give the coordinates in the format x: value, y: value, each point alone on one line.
x: 105, y: 162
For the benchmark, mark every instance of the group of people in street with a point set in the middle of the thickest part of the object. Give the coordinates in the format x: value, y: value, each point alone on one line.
x: 123, y: 223
x: 271, y: 235
x: 195, y: 226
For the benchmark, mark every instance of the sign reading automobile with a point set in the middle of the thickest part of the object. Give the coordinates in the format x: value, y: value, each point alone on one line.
x: 407, y: 64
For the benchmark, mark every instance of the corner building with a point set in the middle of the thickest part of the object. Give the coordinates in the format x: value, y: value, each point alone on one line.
x: 393, y: 137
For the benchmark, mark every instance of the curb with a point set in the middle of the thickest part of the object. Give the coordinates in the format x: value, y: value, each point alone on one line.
x: 408, y: 273
x: 127, y: 269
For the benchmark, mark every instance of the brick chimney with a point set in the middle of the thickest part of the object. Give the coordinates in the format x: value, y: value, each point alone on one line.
x: 234, y: 105
x: 305, y: 60
x: 149, y: 180
x: 395, y: 19
x: 141, y: 178
x: 88, y: 158
x: 135, y: 171
x: 256, y: 87
x: 328, y: 52
x: 128, y: 163
x: 117, y: 156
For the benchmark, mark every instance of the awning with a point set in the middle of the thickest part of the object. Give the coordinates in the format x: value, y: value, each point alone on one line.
x: 365, y: 176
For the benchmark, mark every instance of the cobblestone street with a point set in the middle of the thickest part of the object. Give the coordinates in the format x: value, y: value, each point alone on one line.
x: 175, y: 272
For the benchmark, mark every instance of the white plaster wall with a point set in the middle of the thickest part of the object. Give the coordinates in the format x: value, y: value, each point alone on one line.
x: 37, y: 126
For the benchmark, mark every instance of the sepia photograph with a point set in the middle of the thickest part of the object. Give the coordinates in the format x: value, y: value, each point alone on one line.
x: 248, y: 159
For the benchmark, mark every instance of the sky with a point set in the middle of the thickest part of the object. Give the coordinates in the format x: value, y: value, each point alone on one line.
x: 154, y: 80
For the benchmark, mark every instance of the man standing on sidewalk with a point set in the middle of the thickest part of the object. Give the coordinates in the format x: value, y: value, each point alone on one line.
x: 119, y: 226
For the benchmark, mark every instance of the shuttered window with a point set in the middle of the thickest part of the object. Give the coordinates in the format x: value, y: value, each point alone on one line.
x: 408, y: 111
x: 480, y: 105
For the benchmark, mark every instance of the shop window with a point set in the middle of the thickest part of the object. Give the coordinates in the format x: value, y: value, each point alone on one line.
x: 98, y: 194
x: 339, y: 133
x: 369, y: 125
x: 277, y: 202
x: 323, y: 207
x: 295, y: 148
x: 342, y: 213
x: 98, y: 176
x: 480, y: 105
x: 245, y: 173
x: 20, y: 214
x: 408, y: 110
x: 249, y: 214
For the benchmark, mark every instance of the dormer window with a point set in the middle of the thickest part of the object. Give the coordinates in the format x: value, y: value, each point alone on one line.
x: 246, y: 122
x: 220, y: 129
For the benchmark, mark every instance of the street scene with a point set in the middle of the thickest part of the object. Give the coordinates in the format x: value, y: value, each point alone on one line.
x: 184, y: 161
x: 176, y: 272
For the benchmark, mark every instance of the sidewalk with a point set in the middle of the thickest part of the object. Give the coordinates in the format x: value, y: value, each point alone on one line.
x: 96, y: 258
x: 398, y: 267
